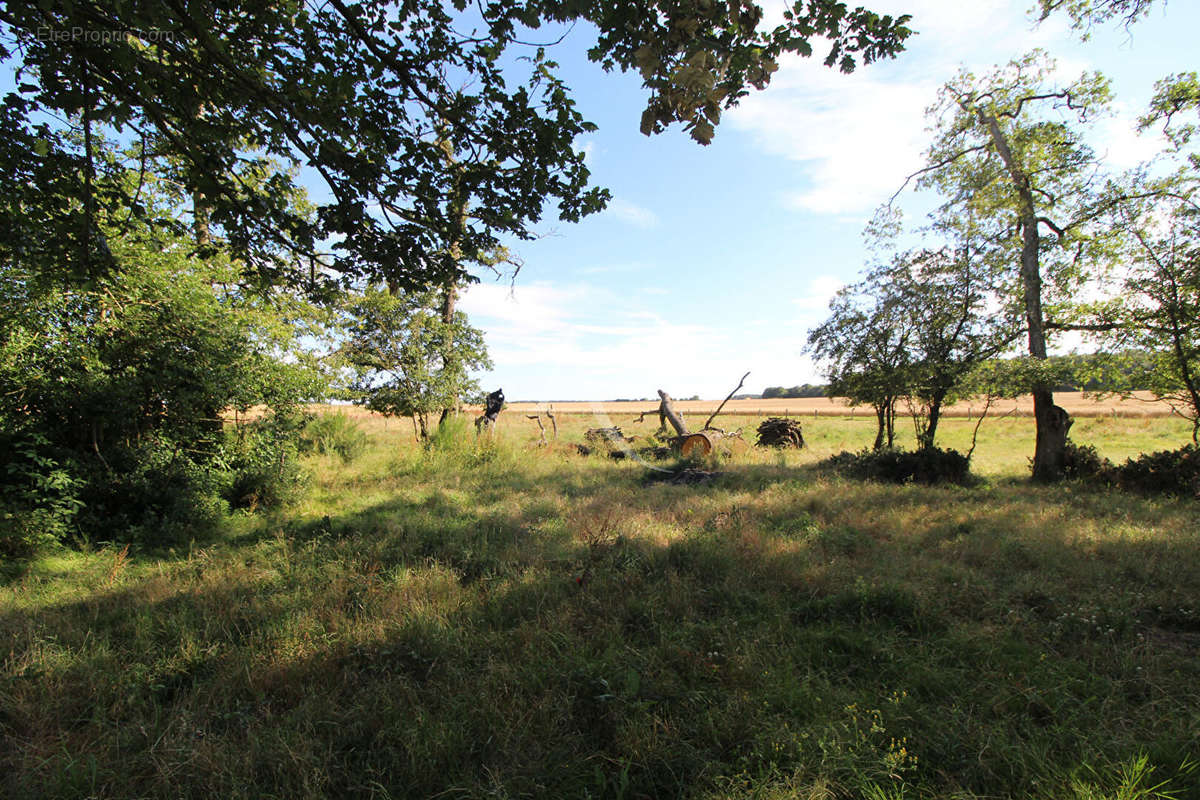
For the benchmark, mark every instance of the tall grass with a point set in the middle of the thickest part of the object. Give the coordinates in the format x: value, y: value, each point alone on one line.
x: 334, y: 433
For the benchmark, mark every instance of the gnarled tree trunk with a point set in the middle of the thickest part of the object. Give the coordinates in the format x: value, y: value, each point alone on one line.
x: 667, y: 413
x: 1053, y: 422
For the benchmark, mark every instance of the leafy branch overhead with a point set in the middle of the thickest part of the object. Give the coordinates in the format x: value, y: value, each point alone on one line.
x: 401, y: 109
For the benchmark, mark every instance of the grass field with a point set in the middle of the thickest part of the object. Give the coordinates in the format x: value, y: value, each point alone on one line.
x: 493, y: 619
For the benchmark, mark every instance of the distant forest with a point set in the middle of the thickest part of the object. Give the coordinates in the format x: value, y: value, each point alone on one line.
x: 1078, y: 372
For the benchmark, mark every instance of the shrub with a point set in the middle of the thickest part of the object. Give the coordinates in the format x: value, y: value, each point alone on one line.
x: 1082, y: 461
x: 930, y: 465
x: 154, y: 491
x: 39, y: 497
x: 1174, y: 472
x: 334, y: 433
x: 261, y: 459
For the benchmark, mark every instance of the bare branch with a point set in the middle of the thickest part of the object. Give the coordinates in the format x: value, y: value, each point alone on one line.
x: 1050, y: 224
x: 933, y: 167
x: 723, y: 402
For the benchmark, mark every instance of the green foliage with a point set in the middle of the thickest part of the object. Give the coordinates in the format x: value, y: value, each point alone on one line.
x: 915, y: 328
x: 807, y: 390
x: 409, y: 362
x: 39, y: 498
x: 371, y: 96
x: 1085, y: 14
x: 1013, y: 377
x: 260, y: 462
x: 334, y: 432
x: 1174, y: 95
x: 1082, y: 461
x: 116, y: 383
x: 864, y: 346
x: 1172, y: 472
x: 928, y: 465
x: 1157, y: 321
x: 153, y: 492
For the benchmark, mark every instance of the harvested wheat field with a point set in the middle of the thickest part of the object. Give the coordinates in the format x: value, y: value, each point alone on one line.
x: 1079, y: 404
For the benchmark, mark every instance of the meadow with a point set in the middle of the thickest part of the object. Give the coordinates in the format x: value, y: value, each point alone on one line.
x: 490, y: 618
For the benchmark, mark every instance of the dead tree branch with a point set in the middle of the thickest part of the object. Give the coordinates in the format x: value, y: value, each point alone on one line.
x: 708, y: 424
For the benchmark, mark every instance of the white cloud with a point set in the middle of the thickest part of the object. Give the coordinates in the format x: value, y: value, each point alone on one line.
x: 603, y: 344
x: 821, y: 290
x: 857, y: 136
x: 588, y: 148
x: 632, y: 213
x: 1119, y: 143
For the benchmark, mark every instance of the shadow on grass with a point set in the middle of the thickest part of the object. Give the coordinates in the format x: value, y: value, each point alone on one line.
x: 775, y: 628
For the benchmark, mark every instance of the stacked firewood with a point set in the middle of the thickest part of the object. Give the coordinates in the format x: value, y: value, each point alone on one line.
x: 780, y: 432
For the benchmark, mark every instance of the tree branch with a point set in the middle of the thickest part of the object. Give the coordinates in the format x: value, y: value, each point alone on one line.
x: 933, y: 167
x: 723, y: 402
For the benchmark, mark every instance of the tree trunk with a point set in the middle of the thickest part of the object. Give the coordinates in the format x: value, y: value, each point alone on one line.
x: 881, y: 418
x: 891, y: 423
x: 1053, y: 425
x: 1052, y: 422
x: 449, y: 298
x: 667, y: 413
x: 935, y: 415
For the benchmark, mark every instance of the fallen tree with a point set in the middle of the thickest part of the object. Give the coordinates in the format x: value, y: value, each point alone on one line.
x: 687, y: 443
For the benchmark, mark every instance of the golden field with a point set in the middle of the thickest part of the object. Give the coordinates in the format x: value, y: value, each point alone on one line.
x: 1078, y: 404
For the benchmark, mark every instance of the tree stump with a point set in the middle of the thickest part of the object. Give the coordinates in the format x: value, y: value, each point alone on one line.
x: 491, y: 410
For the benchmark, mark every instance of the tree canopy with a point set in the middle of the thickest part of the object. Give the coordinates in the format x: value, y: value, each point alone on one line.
x: 398, y: 107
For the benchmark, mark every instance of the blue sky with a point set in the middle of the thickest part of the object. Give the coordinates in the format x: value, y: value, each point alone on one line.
x: 713, y: 261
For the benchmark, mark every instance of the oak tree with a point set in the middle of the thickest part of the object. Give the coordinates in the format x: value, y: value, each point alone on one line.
x: 1009, y: 151
x: 409, y: 362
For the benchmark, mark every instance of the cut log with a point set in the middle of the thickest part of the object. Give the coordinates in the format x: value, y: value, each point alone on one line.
x: 780, y: 432
x: 700, y: 444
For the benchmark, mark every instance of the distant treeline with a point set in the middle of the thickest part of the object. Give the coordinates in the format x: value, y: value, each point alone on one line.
x: 807, y: 390
x: 1078, y: 372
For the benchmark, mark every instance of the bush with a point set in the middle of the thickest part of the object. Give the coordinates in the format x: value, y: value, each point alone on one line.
x: 39, y: 497
x: 334, y: 433
x: 1082, y: 461
x: 931, y: 465
x: 262, y: 465
x: 1174, y: 472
